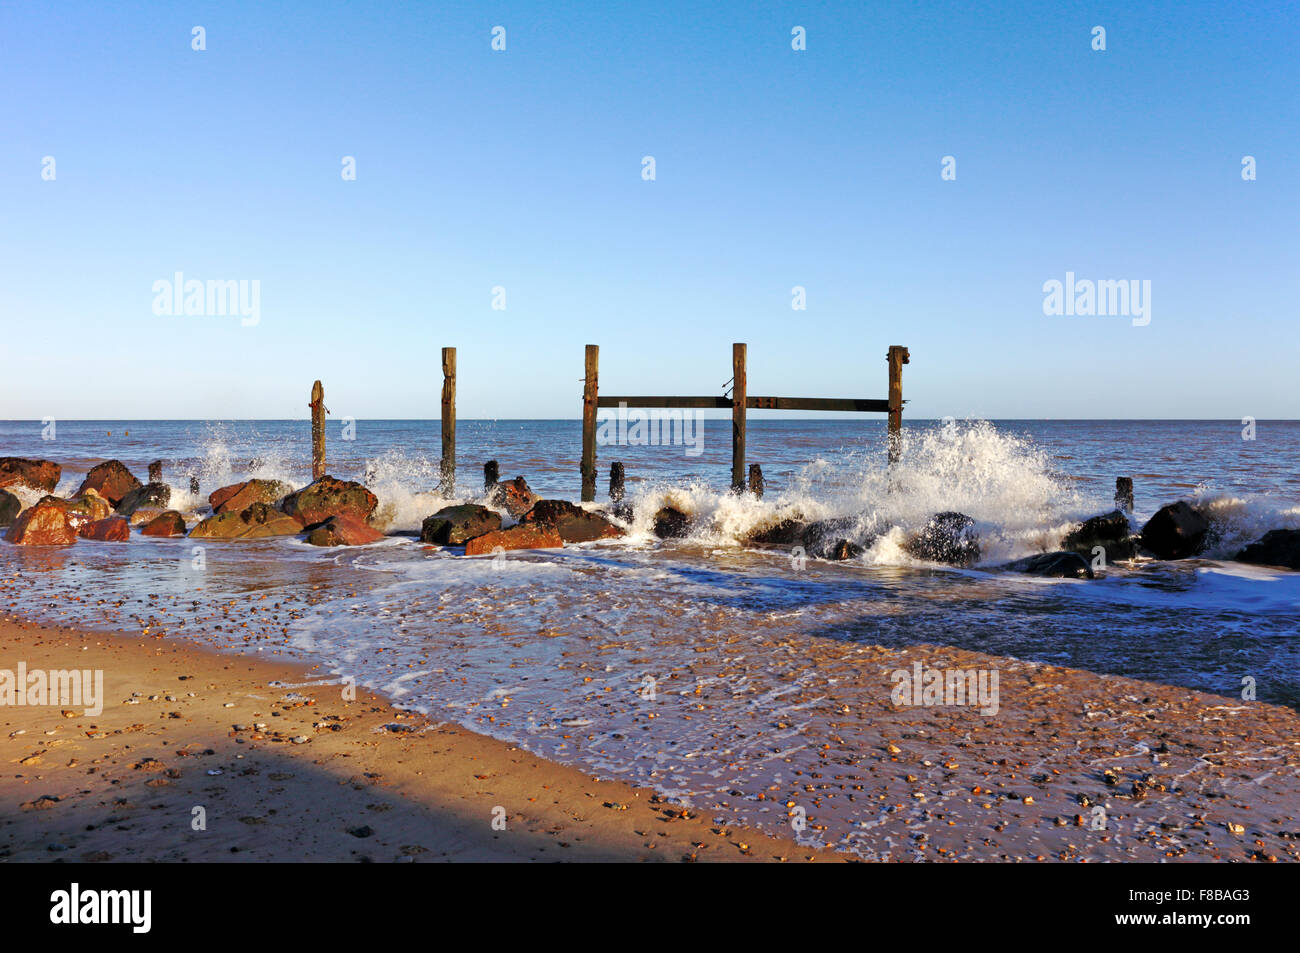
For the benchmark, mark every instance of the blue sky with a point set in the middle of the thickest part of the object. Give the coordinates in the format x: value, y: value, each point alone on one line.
x: 522, y: 169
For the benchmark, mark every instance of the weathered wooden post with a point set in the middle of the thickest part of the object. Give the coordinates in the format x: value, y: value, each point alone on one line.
x: 616, y: 482
x: 739, y: 395
x: 756, y: 483
x: 194, y: 486
x: 448, y: 468
x: 155, y: 472
x: 898, y: 356
x: 491, y: 474
x: 1124, y: 493
x: 589, y: 390
x: 317, y: 431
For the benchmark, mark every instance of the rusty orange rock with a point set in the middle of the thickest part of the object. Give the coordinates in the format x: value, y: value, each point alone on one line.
x: 343, y: 530
x: 523, y: 536
x: 112, y: 479
x: 33, y: 474
x: 115, y: 529
x: 169, y: 523
x: 44, y: 524
x: 239, y: 496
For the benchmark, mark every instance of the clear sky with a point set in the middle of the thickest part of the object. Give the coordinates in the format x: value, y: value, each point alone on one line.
x: 522, y: 169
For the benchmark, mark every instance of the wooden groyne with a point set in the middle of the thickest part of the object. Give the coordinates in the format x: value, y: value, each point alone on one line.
x: 738, y: 400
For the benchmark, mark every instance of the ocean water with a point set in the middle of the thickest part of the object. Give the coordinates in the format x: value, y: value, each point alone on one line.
x: 698, y: 666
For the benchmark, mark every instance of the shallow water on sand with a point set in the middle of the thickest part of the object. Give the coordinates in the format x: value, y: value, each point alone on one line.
x: 705, y: 669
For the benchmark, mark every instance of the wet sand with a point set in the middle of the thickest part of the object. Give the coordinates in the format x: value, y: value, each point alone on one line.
x: 308, y: 776
x: 1074, y: 766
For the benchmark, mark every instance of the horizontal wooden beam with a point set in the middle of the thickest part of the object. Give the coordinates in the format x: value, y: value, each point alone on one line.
x: 754, y: 403
x: 818, y: 403
x: 714, y: 403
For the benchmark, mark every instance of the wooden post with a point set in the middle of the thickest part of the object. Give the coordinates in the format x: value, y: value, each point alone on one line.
x: 448, y: 469
x: 317, y: 431
x: 756, y: 484
x: 491, y: 474
x: 616, y: 482
x: 155, y: 472
x: 739, y: 394
x: 1124, y: 493
x: 898, y: 356
x: 589, y: 390
x: 194, y: 485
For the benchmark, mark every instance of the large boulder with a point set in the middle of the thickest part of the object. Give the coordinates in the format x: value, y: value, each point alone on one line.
x: 33, y: 474
x: 240, y: 496
x: 88, y: 507
x: 114, y: 529
x: 788, y: 532
x: 1176, y: 532
x: 10, y: 507
x: 1110, y: 531
x: 513, y: 496
x: 343, y: 531
x: 43, y: 524
x: 947, y: 538
x: 829, y: 539
x: 255, y: 522
x: 671, y: 523
x: 111, y: 479
x: 523, y: 536
x: 454, y: 525
x: 170, y: 523
x: 150, y: 496
x: 1278, y: 547
x: 317, y: 502
x: 572, y: 522
x: 1061, y: 565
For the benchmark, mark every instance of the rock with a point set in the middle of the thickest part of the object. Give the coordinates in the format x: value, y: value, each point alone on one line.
x: 114, y: 529
x: 170, y: 523
x: 572, y: 522
x: 33, y: 474
x: 788, y: 532
x: 453, y: 525
x: 828, y: 539
x: 1062, y: 565
x: 239, y: 496
x: 317, y: 502
x: 343, y: 531
x: 843, y: 549
x: 1110, y: 531
x: 10, y: 507
x: 513, y: 496
x: 152, y: 495
x: 111, y: 479
x: 88, y: 507
x: 523, y: 536
x: 1175, y: 532
x: 947, y: 538
x: 671, y: 523
x: 146, y: 514
x: 1278, y: 547
x: 45, y: 523
x: 254, y: 522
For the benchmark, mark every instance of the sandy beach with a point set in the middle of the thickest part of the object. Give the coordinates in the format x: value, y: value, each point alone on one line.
x: 307, y: 776
x: 1075, y: 767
